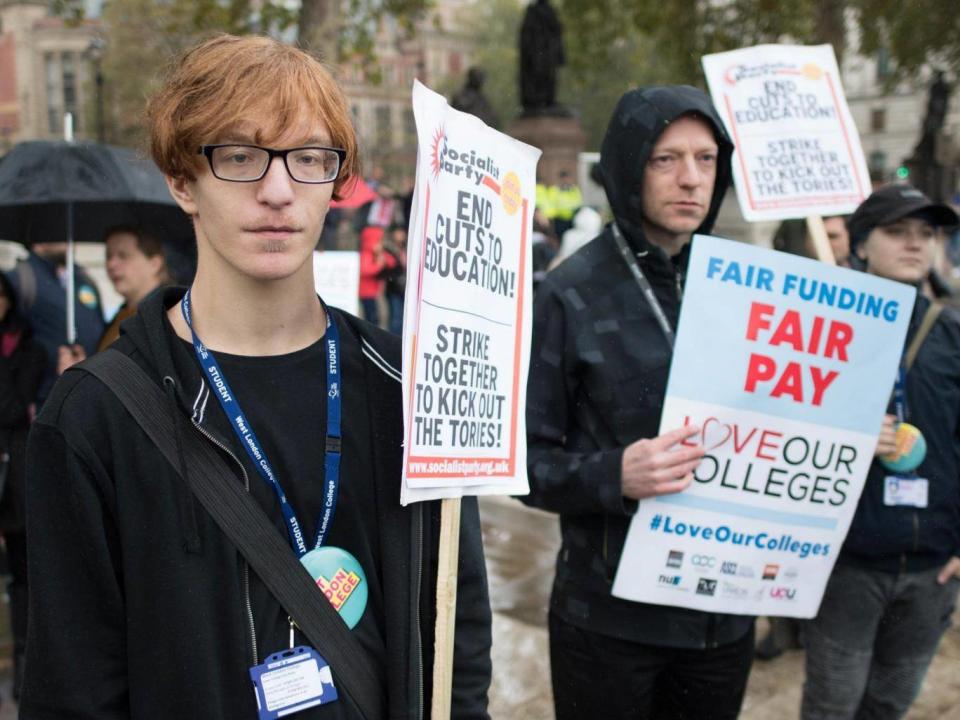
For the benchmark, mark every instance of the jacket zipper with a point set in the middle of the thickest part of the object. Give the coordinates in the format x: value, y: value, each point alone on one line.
x: 418, y: 555
x: 916, y: 532
x: 916, y: 542
x: 245, y: 580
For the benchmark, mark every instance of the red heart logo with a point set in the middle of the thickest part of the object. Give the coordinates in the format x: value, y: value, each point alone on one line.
x: 714, y: 433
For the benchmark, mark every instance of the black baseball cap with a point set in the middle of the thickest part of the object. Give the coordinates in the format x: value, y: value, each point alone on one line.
x: 896, y: 202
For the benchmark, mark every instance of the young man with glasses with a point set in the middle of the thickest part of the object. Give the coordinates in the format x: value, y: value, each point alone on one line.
x: 141, y: 605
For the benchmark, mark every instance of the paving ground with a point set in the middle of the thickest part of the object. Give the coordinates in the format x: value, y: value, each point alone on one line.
x: 520, y: 546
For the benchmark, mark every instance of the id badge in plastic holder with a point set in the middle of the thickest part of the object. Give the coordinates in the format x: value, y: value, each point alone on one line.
x: 909, y: 491
x: 290, y: 681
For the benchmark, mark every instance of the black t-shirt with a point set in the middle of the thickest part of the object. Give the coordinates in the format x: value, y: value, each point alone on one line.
x: 285, y: 400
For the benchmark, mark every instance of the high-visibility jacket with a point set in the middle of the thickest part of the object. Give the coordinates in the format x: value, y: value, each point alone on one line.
x: 544, y: 200
x: 564, y: 202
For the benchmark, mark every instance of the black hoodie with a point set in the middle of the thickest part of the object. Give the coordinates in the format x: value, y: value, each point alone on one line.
x: 140, y: 606
x: 639, y: 119
x: 598, y: 375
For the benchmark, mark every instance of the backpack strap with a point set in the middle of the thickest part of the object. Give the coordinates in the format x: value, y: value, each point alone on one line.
x: 245, y: 523
x: 929, y: 318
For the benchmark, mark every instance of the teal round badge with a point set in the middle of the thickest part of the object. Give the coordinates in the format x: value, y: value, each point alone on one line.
x: 341, y: 579
x: 910, y: 452
x: 87, y: 296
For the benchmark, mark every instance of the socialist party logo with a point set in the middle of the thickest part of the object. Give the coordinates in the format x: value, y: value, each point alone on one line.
x: 459, y: 162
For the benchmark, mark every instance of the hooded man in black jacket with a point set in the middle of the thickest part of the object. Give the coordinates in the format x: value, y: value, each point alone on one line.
x: 597, y: 382
x: 140, y: 605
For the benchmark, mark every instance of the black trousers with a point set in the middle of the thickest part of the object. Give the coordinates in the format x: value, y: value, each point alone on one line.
x: 596, y: 676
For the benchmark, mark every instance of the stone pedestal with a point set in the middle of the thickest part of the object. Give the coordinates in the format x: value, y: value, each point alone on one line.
x: 560, y: 138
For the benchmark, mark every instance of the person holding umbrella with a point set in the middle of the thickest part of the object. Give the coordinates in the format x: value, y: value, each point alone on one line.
x: 40, y: 285
x: 54, y: 193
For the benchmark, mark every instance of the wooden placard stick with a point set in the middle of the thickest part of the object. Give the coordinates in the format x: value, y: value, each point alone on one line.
x: 447, y: 560
x: 817, y: 241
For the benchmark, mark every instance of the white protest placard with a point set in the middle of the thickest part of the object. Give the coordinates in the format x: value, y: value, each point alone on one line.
x: 466, y: 338
x: 787, y: 365
x: 336, y: 276
x: 797, y: 151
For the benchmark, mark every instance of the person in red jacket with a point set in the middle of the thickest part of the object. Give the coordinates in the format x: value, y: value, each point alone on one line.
x: 373, y: 262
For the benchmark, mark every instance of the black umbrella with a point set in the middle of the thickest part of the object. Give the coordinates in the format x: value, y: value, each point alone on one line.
x: 54, y: 191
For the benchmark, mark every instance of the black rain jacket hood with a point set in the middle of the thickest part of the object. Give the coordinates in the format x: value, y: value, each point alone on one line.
x: 637, y: 123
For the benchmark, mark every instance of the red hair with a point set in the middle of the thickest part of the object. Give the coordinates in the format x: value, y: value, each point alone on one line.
x: 227, y: 80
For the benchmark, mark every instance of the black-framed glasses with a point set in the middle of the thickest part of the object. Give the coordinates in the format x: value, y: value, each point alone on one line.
x: 249, y: 163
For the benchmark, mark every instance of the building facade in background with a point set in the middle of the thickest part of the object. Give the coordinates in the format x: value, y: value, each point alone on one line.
x: 890, y: 120
x: 437, y: 54
x: 46, y: 70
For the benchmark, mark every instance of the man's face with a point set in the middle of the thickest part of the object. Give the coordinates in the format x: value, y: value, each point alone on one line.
x: 679, y: 177
x: 839, y: 238
x: 901, y: 251
x: 132, y: 273
x: 264, y: 230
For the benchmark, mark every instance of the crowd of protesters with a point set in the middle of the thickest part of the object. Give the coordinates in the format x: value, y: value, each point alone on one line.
x: 107, y: 510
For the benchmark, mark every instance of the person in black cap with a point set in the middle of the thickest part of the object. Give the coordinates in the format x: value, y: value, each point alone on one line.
x: 895, y: 584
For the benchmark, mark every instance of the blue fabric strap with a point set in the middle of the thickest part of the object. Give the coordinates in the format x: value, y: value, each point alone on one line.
x: 244, y: 431
x: 900, y: 395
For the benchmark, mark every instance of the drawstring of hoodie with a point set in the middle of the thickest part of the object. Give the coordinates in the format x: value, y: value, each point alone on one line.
x: 186, y: 506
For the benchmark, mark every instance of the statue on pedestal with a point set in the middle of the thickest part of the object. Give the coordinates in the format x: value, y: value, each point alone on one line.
x: 470, y: 99
x: 937, y: 102
x: 926, y: 170
x: 541, y: 54
x: 544, y: 123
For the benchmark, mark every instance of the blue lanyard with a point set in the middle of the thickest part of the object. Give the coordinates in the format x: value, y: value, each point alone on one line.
x: 231, y: 408
x: 900, y: 395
